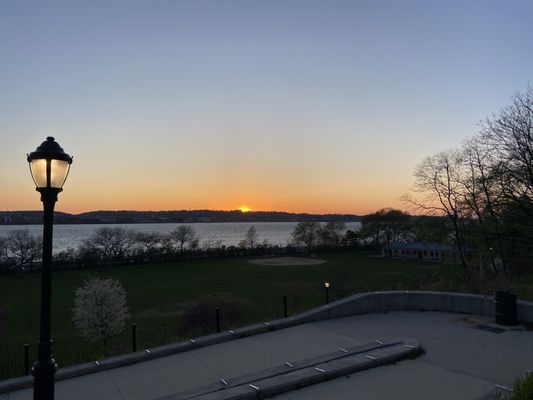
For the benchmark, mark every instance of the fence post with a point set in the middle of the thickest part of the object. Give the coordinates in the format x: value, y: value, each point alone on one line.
x: 134, y: 338
x: 26, y: 359
x: 285, y: 306
x: 218, y: 320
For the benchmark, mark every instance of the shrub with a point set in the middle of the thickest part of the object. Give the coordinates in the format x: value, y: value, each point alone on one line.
x: 523, y: 388
x: 200, y: 319
x: 100, y: 309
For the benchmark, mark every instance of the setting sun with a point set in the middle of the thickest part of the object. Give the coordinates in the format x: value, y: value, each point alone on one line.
x: 245, y: 209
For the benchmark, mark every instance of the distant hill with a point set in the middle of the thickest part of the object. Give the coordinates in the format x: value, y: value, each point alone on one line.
x: 183, y: 216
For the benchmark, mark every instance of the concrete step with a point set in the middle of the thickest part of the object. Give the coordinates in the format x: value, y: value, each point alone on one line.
x: 294, y: 375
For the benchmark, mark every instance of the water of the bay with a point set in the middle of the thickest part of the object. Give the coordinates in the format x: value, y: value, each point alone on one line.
x: 228, y: 233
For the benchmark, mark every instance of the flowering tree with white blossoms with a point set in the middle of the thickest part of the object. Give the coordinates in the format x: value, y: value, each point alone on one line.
x: 100, y: 309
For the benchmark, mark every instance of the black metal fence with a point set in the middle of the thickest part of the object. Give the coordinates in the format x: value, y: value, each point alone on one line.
x: 17, y: 361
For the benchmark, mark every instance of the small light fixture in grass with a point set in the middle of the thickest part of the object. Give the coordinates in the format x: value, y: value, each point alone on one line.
x: 327, y: 285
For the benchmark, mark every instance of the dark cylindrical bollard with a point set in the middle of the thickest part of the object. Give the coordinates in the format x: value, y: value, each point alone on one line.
x: 134, y: 338
x: 285, y: 306
x: 505, y: 308
x: 26, y: 359
x: 218, y: 320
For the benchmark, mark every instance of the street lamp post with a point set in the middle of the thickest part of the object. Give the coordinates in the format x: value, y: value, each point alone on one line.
x: 49, y: 167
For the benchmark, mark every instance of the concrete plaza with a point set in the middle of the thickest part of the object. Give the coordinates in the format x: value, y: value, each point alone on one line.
x: 466, y: 356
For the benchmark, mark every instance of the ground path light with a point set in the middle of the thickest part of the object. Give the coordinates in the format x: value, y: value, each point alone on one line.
x: 49, y: 166
x: 327, y: 285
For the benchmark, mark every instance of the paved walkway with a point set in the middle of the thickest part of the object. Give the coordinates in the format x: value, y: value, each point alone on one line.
x: 466, y: 356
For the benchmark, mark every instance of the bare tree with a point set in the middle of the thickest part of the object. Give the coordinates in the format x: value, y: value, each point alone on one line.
x: 510, y: 135
x: 482, y: 185
x: 110, y: 243
x: 306, y: 233
x: 250, y: 238
x: 24, y: 247
x: 150, y: 242
x: 182, y: 235
x: 332, y: 233
x: 100, y: 308
x: 439, y: 180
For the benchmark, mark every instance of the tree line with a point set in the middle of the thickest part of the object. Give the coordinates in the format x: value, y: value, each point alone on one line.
x: 484, y: 189
x: 115, y: 245
x: 175, y: 216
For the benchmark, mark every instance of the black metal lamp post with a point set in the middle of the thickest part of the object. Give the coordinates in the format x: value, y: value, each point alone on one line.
x: 326, y: 285
x: 49, y: 166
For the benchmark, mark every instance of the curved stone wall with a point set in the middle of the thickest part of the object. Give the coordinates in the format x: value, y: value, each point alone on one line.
x: 415, y: 301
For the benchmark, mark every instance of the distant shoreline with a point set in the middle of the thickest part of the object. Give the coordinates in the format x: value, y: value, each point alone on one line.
x: 158, y: 223
x: 163, y: 217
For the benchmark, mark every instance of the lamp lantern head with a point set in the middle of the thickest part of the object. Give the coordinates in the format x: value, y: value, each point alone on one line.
x: 49, y: 165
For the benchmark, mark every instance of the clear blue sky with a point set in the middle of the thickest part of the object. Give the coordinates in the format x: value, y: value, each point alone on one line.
x: 317, y: 106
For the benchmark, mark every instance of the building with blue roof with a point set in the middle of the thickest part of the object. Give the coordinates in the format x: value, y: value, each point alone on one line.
x: 419, y: 251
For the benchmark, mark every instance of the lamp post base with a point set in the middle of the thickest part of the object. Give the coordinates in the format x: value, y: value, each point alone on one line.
x: 43, y: 372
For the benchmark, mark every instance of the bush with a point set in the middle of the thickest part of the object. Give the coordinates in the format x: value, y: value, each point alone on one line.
x: 200, y: 319
x: 523, y: 388
x: 100, y: 308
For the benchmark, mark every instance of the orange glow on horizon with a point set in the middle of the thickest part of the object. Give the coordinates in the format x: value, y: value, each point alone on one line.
x: 79, y: 199
x: 202, y: 193
x: 70, y: 203
x: 303, y: 206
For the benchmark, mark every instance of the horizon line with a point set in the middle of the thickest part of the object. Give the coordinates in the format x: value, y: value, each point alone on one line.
x: 190, y: 210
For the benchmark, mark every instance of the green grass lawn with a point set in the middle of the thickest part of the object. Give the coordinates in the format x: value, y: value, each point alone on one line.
x: 159, y: 294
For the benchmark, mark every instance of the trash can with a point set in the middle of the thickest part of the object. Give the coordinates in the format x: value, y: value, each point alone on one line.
x: 505, y: 308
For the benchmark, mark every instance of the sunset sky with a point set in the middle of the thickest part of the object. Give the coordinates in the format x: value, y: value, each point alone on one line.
x: 302, y: 106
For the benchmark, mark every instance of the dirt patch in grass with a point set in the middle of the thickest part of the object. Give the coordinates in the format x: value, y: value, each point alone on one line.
x: 287, y: 261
